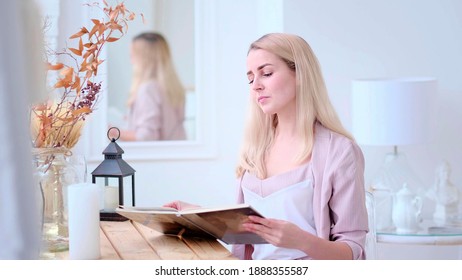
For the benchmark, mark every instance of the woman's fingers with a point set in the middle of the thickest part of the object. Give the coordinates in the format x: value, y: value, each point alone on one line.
x: 181, y: 205
x: 259, y: 225
x: 269, y: 234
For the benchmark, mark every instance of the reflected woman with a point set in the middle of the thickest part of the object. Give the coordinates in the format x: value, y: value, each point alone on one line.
x: 157, y: 97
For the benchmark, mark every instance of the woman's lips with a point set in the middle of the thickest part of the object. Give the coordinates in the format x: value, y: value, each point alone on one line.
x: 262, y: 99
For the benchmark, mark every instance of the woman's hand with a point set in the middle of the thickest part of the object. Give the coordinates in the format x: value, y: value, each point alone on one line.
x: 181, y: 205
x: 278, y: 232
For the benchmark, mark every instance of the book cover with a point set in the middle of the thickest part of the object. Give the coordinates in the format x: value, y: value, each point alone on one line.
x: 224, y: 223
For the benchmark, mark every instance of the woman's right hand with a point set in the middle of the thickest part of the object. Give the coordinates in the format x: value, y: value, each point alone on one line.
x: 181, y: 205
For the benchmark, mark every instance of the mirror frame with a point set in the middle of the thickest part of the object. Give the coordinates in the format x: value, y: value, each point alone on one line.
x: 204, y: 146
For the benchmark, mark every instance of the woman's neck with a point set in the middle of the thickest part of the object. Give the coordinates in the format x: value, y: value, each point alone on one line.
x: 287, y: 126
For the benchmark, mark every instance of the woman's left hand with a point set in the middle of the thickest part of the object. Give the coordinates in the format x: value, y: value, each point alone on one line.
x: 277, y: 232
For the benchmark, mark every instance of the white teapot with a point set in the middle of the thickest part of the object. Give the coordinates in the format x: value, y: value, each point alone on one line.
x: 406, y: 212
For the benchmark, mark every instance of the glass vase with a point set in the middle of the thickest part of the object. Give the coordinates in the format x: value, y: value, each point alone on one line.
x: 56, y: 169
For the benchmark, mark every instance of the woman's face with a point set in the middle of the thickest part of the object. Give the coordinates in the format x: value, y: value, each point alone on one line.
x: 272, y: 82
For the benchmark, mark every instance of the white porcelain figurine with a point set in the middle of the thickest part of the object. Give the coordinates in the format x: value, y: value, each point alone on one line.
x: 446, y: 196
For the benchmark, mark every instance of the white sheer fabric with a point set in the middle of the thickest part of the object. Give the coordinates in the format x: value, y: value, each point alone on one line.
x: 371, y: 237
x: 20, y: 78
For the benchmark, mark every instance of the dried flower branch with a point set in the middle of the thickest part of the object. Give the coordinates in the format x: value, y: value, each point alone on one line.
x: 58, y: 123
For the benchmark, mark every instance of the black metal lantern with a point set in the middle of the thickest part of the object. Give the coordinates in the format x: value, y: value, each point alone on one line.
x: 113, y: 174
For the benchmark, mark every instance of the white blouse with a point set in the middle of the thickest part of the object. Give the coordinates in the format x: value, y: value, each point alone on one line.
x: 287, y: 196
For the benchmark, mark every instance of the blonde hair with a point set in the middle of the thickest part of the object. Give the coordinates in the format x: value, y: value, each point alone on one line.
x: 312, y: 104
x: 153, y: 62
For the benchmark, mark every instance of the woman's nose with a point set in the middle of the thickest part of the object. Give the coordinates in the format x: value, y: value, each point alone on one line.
x: 257, y: 85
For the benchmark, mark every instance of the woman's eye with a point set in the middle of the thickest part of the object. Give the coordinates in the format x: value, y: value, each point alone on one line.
x: 250, y: 82
x: 268, y: 74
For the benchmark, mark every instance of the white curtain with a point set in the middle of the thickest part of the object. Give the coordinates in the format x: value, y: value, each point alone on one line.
x: 21, y: 82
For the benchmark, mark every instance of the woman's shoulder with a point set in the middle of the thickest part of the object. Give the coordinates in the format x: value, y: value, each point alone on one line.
x: 333, y: 144
x: 151, y: 85
x: 325, y: 135
x: 332, y: 149
x: 150, y: 89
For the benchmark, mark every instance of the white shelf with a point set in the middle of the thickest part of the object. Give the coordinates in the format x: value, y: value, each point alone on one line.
x: 428, y: 234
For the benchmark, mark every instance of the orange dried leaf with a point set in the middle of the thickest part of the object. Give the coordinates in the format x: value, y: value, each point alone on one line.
x: 83, y: 110
x: 66, y: 81
x: 93, y: 48
x: 83, y: 66
x: 76, y: 84
x: 44, y: 119
x: 56, y: 66
x: 122, y: 8
x: 112, y: 39
x: 77, y: 35
x: 114, y: 14
x: 60, y: 84
x: 132, y: 16
x: 67, y: 71
x: 80, y: 45
x: 86, y: 54
x: 102, y: 28
x: 107, y: 11
x: 95, y: 21
x: 93, y: 31
x: 65, y: 120
x: 115, y: 26
x: 76, y: 51
x: 39, y: 142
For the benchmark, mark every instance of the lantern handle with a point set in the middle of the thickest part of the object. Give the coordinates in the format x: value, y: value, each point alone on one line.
x: 112, y: 139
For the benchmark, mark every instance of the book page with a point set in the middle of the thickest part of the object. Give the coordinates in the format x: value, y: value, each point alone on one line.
x: 166, y: 222
x: 226, y: 223
x: 151, y: 209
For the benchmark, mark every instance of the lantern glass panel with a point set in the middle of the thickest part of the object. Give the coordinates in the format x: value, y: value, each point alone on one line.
x: 128, y: 194
x: 110, y: 190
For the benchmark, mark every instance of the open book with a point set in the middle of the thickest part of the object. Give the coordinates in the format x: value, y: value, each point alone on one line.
x: 224, y: 223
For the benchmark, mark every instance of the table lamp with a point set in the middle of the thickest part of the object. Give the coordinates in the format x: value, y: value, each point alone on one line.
x: 392, y: 112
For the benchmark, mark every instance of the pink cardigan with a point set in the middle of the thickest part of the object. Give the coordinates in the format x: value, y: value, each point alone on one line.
x: 153, y: 118
x: 339, y: 195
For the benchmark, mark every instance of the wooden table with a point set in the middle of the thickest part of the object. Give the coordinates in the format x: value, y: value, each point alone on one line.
x: 132, y: 241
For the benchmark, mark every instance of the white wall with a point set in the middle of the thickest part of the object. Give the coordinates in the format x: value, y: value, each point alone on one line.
x: 367, y: 39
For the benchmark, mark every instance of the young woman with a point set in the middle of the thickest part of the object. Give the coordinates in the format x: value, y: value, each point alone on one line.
x: 298, y: 167
x: 157, y: 97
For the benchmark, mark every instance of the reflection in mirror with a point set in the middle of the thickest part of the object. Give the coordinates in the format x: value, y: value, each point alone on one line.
x: 174, y: 19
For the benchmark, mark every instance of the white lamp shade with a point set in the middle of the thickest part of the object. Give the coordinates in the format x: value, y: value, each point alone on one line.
x: 392, y: 111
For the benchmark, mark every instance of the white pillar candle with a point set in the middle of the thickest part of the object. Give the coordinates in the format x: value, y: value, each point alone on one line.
x: 84, y: 239
x: 111, y: 198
